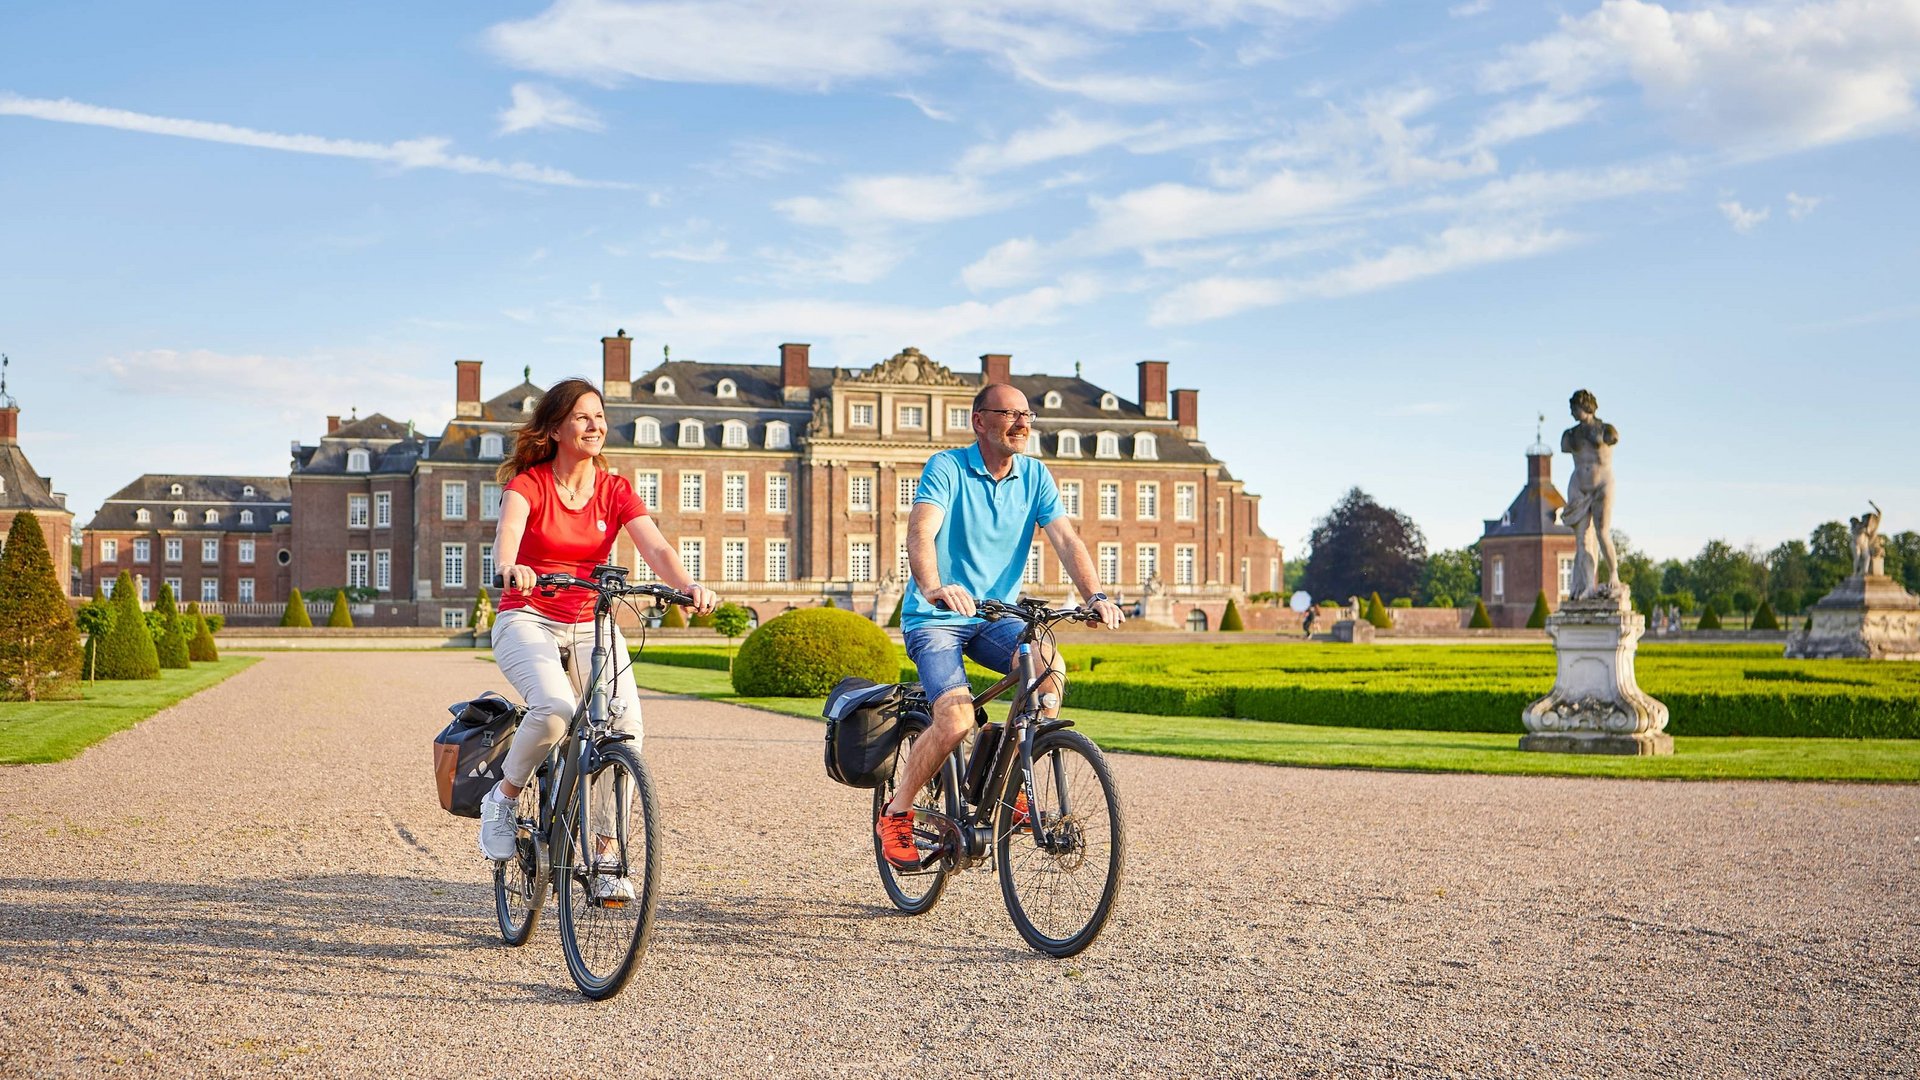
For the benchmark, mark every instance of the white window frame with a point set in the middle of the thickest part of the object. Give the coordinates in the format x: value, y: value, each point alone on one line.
x: 733, y: 434
x: 733, y: 495
x: 779, y: 436
x: 778, y: 567
x: 646, y: 432
x: 179, y: 517
x: 693, y: 491
x: 175, y: 549
x: 1070, y: 497
x: 1146, y: 562
x: 860, y: 560
x: 357, y: 569
x: 244, y: 589
x: 142, y: 551
x: 209, y: 590
x: 1146, y: 500
x: 908, y: 487
x: 779, y: 492
x: 1108, y: 564
x: 486, y: 565
x: 1106, y: 444
x: 1109, y: 403
x: 1186, y: 559
x: 1186, y: 501
x: 1066, y: 444
x: 726, y: 388
x: 211, y: 517
x: 860, y: 492
x: 1052, y: 400
x: 492, y: 446
x: 1565, y: 575
x: 141, y: 516
x: 453, y: 566
x: 910, y: 417
x: 109, y: 549
x: 959, y: 418
x: 359, y: 461
x: 209, y: 549
x: 491, y: 494
x: 693, y: 434
x: 1035, y: 572
x: 1146, y: 447
x: 1109, y: 493
x: 733, y: 558
x: 453, y: 618
x: 383, y: 509
x: 356, y: 511
x: 693, y: 556
x: 902, y: 563
x: 383, y: 570
x: 1499, y: 578
x: 178, y: 586
x: 246, y: 517
x: 860, y: 414
x: 453, y: 500
x: 646, y: 485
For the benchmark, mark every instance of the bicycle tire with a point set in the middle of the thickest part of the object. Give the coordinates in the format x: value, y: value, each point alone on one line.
x: 520, y: 883
x: 1057, y: 910
x: 604, y: 943
x: 912, y: 892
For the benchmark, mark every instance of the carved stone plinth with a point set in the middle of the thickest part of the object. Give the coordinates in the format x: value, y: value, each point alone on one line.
x: 1353, y: 632
x: 1867, y: 617
x: 1596, y: 706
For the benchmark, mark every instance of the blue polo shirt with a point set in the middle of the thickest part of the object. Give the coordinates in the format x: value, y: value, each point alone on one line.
x: 988, y: 529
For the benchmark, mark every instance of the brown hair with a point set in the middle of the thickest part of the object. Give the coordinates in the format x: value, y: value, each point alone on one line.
x: 533, y: 441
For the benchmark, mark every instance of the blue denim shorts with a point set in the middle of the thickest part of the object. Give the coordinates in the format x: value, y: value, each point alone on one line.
x: 938, y: 650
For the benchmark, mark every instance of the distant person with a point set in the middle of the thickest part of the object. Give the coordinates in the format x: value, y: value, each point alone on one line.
x: 1306, y: 622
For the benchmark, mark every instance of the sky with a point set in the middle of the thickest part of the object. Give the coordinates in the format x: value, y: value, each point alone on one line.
x: 1381, y: 239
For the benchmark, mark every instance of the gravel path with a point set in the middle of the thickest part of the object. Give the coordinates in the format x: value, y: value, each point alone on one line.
x: 259, y: 881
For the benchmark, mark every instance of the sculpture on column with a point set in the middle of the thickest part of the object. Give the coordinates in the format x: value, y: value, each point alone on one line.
x: 1867, y: 543
x: 1589, y: 509
x: 1867, y: 616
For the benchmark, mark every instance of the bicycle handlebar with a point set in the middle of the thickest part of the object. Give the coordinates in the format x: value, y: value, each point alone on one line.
x: 610, y: 588
x: 1029, y: 611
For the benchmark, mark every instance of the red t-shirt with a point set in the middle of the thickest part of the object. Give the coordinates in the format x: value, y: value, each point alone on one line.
x: 562, y: 541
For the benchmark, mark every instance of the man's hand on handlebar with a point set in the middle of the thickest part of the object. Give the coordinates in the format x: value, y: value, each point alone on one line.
x: 1109, y: 613
x: 953, y: 598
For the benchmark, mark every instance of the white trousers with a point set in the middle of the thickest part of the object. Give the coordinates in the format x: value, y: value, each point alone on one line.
x: 527, y: 646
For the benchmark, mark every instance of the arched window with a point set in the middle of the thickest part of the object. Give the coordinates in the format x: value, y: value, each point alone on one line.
x: 1109, y: 403
x: 212, y: 517
x: 247, y: 492
x: 779, y: 435
x: 693, y: 433
x: 733, y: 434
x: 527, y: 403
x: 1052, y: 400
x: 281, y: 516
x: 663, y: 386
x: 359, y: 461
x: 492, y: 446
x: 726, y: 389
x: 142, y: 516
x: 177, y: 490
x: 1068, y: 444
x: 179, y: 517
x: 646, y: 432
x: 1197, y: 620
x: 246, y: 517
x: 1145, y: 446
x: 1107, y: 444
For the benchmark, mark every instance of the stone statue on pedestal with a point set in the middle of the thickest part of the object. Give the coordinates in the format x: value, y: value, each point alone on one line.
x: 1596, y: 706
x: 1867, y: 616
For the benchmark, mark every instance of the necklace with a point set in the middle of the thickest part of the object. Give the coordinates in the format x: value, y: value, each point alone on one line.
x: 569, y: 489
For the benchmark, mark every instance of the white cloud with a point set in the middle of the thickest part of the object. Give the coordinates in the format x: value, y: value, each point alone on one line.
x: 1511, y: 121
x: 536, y: 107
x: 1066, y: 135
x: 762, y: 158
x: 1012, y: 262
x: 341, y: 379
x: 1741, y: 218
x: 858, y: 260
x: 1539, y: 190
x: 1169, y: 213
x: 712, y: 251
x: 877, y: 200
x: 1469, y: 9
x: 1763, y: 79
x: 1799, y: 206
x: 423, y: 153
x: 926, y: 107
x: 1456, y: 248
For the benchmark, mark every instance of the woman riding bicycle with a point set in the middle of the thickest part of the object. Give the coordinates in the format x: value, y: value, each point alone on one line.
x: 560, y: 513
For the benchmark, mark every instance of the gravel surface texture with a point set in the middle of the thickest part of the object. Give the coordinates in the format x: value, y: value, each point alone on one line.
x: 259, y: 881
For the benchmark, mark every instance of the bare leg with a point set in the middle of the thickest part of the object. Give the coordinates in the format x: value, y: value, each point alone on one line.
x: 952, y: 717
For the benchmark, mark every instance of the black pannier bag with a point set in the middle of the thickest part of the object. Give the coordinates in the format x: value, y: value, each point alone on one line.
x: 467, y: 754
x: 863, y: 731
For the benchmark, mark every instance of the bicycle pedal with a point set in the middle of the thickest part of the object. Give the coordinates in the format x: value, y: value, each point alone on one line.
x: 613, y: 903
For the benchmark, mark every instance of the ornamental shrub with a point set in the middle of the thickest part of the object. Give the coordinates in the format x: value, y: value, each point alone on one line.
x: 296, y: 613
x: 126, y: 651
x: 1709, y: 619
x: 173, y: 636
x: 804, y: 652
x: 215, y: 622
x: 1764, y: 618
x: 893, y: 620
x: 673, y: 619
x: 39, y: 642
x: 1481, y: 620
x: 1440, y: 600
x: 201, y: 647
x: 1230, y: 619
x: 95, y: 617
x: 1401, y: 601
x: 1538, y: 620
x: 1377, y: 613
x: 340, y: 617
x: 704, y: 622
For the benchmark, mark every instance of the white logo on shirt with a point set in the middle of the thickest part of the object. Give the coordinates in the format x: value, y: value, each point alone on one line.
x: 602, y: 524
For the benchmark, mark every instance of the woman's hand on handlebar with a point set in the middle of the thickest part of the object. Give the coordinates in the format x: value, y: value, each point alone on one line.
x: 953, y: 598
x: 519, y: 577
x: 704, y: 599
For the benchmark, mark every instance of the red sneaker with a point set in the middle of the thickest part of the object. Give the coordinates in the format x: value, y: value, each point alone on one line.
x: 1021, y: 819
x: 896, y: 840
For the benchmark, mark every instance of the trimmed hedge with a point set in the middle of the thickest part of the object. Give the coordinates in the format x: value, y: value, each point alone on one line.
x: 174, y: 636
x: 804, y: 652
x: 201, y: 648
x: 1230, y: 622
x: 1537, y: 619
x: 1376, y: 613
x: 1765, y: 619
x: 39, y: 641
x: 340, y: 617
x: 126, y: 649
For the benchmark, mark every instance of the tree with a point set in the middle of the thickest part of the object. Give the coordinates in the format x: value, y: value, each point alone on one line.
x: 1450, y: 574
x: 1538, y: 619
x: 1637, y: 571
x: 1743, y: 601
x: 482, y: 620
x: 201, y: 647
x: 340, y: 617
x: 173, y: 636
x: 1376, y: 613
x: 1829, y: 558
x: 1362, y: 547
x: 296, y: 613
x: 1789, y: 576
x: 731, y: 621
x: 1764, y: 619
x: 1716, y: 572
x: 95, y: 618
x: 1903, y: 559
x: 39, y: 642
x: 1709, y: 620
x: 1230, y: 619
x: 127, y: 651
x: 1481, y: 620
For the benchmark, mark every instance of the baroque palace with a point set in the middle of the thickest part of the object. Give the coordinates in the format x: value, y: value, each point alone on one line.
x: 784, y: 485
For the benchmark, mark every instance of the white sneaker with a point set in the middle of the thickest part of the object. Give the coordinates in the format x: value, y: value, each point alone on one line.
x: 499, y: 825
x: 608, y: 888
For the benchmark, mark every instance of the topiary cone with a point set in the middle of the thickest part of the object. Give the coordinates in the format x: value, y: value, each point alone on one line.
x: 1481, y: 620
x: 340, y: 617
x: 201, y: 648
x: 1538, y: 620
x: 1764, y: 618
x: 1377, y: 613
x: 296, y: 613
x: 171, y: 643
x: 39, y: 641
x: 673, y: 619
x: 1230, y: 619
x: 127, y: 651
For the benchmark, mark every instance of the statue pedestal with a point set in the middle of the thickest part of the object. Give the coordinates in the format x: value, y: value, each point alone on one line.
x: 1865, y: 617
x: 1596, y: 706
x: 1353, y: 632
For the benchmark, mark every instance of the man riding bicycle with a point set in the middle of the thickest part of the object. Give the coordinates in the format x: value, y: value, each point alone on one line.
x: 968, y: 537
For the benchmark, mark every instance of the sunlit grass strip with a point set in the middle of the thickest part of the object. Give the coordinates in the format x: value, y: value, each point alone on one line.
x: 42, y: 731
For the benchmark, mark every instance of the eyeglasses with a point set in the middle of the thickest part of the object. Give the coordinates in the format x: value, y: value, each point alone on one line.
x: 1013, y: 414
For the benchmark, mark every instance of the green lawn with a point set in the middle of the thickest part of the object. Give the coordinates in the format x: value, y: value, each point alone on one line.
x: 1268, y: 742
x: 42, y: 731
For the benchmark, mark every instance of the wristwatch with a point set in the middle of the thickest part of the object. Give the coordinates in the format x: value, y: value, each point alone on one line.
x: 1096, y: 598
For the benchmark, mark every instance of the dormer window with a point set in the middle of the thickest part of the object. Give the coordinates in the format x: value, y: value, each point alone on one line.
x: 359, y: 461
x: 1107, y: 445
x: 212, y: 517
x: 646, y: 432
x: 527, y: 403
x: 1109, y: 403
x: 141, y: 516
x: 281, y: 516
x: 179, y: 517
x: 733, y: 435
x: 1145, y: 447
x: 492, y: 446
x: 693, y: 433
x: 779, y: 435
x: 1052, y: 400
x: 1068, y: 444
x: 726, y: 389
x: 247, y: 492
x: 176, y: 490
x: 246, y: 517
x: 663, y: 387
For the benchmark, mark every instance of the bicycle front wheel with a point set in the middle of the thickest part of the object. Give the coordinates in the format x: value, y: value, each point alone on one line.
x: 520, y: 883
x: 611, y: 882
x: 1060, y: 866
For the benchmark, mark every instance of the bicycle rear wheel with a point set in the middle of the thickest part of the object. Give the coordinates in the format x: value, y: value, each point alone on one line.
x: 611, y: 880
x: 1060, y: 870
x: 912, y: 891
x: 520, y: 883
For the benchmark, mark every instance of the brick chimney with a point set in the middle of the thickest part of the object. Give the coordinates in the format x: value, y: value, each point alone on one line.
x: 795, y: 387
x: 996, y: 367
x: 1186, y: 412
x: 616, y: 366
x: 333, y: 424
x: 1153, y: 388
x: 9, y: 425
x: 466, y: 388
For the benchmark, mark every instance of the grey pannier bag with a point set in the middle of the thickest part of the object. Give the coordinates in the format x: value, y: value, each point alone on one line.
x: 863, y: 731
